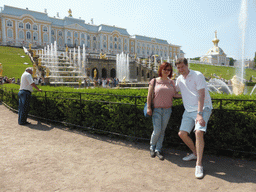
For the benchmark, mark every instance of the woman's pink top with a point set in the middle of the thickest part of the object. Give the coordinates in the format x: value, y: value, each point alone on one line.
x: 164, y: 92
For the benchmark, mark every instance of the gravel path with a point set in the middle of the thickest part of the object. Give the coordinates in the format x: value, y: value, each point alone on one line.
x: 45, y: 157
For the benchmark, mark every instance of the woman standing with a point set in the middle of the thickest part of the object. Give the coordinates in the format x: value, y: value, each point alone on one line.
x: 164, y: 91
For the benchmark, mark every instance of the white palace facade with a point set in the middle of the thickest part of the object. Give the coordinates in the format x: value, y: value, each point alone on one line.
x: 21, y: 27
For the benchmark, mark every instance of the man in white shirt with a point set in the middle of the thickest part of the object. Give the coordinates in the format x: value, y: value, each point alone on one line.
x: 198, y: 105
x: 26, y: 88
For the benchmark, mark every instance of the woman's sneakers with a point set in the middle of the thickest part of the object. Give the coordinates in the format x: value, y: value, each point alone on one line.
x: 189, y: 157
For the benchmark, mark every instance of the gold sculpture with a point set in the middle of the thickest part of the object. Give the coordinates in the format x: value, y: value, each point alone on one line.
x: 1, y: 69
x: 237, y: 85
x: 29, y: 46
x: 39, y: 62
x: 34, y: 70
x: 95, y: 73
x: 103, y: 56
x: 69, y: 13
x: 66, y: 48
x: 47, y: 72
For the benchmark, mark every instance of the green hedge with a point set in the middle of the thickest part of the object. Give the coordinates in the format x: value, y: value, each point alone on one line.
x: 121, y: 114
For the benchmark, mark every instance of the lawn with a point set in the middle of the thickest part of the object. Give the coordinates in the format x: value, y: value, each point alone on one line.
x: 12, y: 62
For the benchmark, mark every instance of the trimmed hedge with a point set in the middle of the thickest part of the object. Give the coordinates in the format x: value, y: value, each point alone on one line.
x: 120, y: 114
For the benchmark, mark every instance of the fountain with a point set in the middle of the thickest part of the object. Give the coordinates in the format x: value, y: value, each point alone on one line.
x: 217, y: 85
x: 122, y: 67
x: 61, y: 69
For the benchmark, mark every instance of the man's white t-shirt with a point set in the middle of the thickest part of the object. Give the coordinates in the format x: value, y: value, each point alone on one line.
x: 189, y: 90
x: 26, y: 81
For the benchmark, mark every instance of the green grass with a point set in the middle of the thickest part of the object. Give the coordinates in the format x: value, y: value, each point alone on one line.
x: 221, y: 71
x: 12, y: 62
x: 13, y: 65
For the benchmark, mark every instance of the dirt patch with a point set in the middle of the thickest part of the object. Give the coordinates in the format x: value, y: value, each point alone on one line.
x: 45, y: 157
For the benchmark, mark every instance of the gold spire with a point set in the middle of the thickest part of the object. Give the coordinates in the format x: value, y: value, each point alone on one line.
x: 69, y: 13
x: 215, y: 41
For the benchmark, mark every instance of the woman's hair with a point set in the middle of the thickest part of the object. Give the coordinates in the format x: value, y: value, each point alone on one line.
x: 164, y: 66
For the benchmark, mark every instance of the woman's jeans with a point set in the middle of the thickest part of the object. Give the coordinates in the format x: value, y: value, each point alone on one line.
x: 160, y: 120
x: 24, y: 100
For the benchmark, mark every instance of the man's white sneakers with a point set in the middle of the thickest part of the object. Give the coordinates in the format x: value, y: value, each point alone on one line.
x: 199, y: 173
x: 189, y: 157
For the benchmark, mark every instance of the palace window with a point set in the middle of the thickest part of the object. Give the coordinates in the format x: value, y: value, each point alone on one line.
x: 119, y: 47
x: 125, y: 41
x: 125, y: 47
x: 21, y: 35
x: 76, y: 42
x: 21, y: 25
x: 52, y: 32
x: 45, y: 29
x: 28, y: 35
x: 60, y: 33
x: 45, y: 38
x: 94, y: 38
x: 9, y: 33
x: 82, y: 43
x: 28, y: 26
x: 69, y: 42
x: 88, y: 37
x: 115, y: 39
x: 119, y: 40
x: 104, y: 44
x: 138, y: 51
x: 132, y: 43
x: 115, y: 46
x: 132, y: 50
x: 82, y: 36
x: 76, y: 35
x: 111, y: 38
x: 104, y: 37
x: 88, y: 44
x: 138, y: 44
x: 60, y: 41
x: 35, y: 36
x: 111, y: 46
x: 9, y: 23
x: 35, y: 27
x: 69, y: 34
x: 94, y: 45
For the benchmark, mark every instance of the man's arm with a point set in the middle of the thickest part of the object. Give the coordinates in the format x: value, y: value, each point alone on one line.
x: 201, y: 97
x: 34, y: 85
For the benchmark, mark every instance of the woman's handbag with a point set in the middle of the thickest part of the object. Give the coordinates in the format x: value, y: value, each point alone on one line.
x: 152, y: 105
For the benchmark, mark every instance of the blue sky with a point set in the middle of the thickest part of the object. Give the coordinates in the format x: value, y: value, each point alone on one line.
x: 188, y: 23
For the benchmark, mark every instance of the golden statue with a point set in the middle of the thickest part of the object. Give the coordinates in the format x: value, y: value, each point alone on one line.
x: 69, y: 13
x: 174, y: 76
x: 66, y: 48
x: 47, y: 72
x: 39, y: 62
x: 34, y: 53
x: 103, y: 56
x: 34, y: 70
x: 1, y: 69
x: 95, y: 73
x: 237, y: 85
x: 29, y: 46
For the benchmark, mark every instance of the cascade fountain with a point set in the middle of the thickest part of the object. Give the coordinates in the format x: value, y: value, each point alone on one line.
x: 60, y: 68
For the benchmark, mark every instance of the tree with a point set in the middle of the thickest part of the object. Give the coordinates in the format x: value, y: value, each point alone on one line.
x: 231, y: 61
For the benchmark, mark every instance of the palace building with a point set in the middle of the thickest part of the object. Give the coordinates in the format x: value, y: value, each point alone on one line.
x: 215, y: 55
x: 21, y: 27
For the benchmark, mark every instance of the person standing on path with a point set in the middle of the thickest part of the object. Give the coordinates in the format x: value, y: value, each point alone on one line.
x: 26, y: 88
x: 164, y: 91
x: 198, y: 106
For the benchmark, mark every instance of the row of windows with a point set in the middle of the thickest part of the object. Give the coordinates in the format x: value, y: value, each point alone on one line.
x: 28, y: 35
x: 27, y: 26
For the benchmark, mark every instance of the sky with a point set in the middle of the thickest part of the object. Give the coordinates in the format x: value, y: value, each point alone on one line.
x: 188, y: 23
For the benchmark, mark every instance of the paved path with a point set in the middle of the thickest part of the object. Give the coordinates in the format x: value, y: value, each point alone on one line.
x: 44, y: 157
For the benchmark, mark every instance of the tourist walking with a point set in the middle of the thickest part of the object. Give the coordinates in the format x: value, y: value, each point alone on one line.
x: 163, y: 91
x: 26, y: 88
x: 198, y: 106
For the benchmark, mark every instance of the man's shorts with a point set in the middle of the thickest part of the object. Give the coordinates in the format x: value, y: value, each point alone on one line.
x: 189, y: 120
